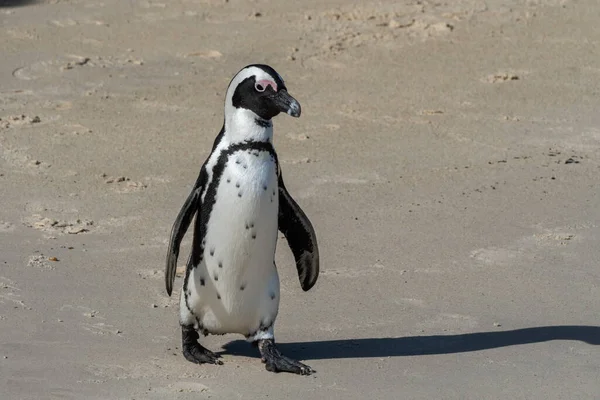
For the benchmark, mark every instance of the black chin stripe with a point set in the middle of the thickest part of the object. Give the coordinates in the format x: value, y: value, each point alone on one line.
x: 265, y: 123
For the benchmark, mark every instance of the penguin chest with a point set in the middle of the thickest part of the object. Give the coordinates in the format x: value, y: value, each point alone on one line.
x: 241, y: 289
x: 242, y: 226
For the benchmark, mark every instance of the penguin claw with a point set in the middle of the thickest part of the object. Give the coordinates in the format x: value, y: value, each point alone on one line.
x: 284, y: 364
x: 200, y: 355
x: 276, y: 362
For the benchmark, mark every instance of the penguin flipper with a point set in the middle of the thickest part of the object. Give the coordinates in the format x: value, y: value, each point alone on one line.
x: 180, y: 227
x: 301, y: 237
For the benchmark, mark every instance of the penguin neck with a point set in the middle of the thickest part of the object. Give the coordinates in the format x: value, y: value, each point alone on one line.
x: 243, y: 125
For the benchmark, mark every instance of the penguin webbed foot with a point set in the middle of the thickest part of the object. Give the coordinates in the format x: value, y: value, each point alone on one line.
x: 194, y: 351
x: 277, y: 362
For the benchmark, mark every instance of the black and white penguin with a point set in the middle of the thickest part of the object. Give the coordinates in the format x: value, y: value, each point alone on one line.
x: 231, y: 283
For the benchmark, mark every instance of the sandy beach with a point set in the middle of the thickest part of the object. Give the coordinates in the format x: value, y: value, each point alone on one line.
x: 448, y: 155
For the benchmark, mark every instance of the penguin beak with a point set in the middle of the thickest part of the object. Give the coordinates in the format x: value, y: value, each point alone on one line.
x: 286, y: 103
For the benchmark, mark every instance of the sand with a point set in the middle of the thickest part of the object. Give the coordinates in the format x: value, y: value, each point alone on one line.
x: 448, y: 155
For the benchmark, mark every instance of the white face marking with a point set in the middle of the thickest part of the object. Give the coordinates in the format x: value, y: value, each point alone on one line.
x: 259, y: 75
x: 239, y: 122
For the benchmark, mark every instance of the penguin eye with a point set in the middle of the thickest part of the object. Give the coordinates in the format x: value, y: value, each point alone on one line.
x: 259, y: 87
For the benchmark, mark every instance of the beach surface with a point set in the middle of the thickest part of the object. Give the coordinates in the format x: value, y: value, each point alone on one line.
x: 448, y: 155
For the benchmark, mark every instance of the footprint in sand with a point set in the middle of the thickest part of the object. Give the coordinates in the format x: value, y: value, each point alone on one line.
x: 586, y: 140
x: 55, y: 226
x: 505, y: 76
x: 13, y: 121
x: 9, y: 293
x: 150, y: 274
x: 15, y: 96
x: 22, y: 34
x: 123, y: 184
x: 158, y: 178
x: 205, y: 54
x: 6, y: 227
x: 21, y: 161
x: 501, y: 77
x: 152, y: 4
x: 88, y: 319
x: 354, y: 273
x: 68, y: 22
x: 144, y: 369
x: 63, y: 23
x: 312, y: 190
x: 353, y: 26
x: 58, y: 105
x: 101, y: 328
x: 39, y: 70
x: 41, y: 261
x: 183, y: 387
x: 56, y: 67
x: 74, y: 130
x: 403, y: 301
x: 554, y: 239
x: 346, y: 180
x: 527, y: 246
x: 495, y: 255
x: 298, y: 136
x: 304, y: 160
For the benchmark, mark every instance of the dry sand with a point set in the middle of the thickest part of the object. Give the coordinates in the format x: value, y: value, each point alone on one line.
x: 448, y: 154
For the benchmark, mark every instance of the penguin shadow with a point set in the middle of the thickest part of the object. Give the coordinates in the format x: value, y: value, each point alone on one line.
x: 424, y: 345
x: 16, y: 3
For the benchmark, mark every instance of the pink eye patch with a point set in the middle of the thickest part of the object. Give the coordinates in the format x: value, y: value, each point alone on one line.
x: 262, y: 85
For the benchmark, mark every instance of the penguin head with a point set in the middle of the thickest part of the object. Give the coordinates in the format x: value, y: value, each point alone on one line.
x: 258, y: 89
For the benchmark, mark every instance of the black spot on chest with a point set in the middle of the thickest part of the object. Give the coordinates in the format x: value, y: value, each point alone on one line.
x: 210, y: 193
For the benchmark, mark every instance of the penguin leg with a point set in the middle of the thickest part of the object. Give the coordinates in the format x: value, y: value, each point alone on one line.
x: 194, y: 351
x: 277, y: 362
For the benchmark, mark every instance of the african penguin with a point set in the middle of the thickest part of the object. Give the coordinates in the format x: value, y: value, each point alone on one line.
x: 231, y: 283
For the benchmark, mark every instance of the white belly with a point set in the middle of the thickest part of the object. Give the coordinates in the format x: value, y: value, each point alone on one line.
x: 235, y: 289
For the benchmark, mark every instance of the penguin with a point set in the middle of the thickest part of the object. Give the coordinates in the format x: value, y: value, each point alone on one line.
x: 240, y: 202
